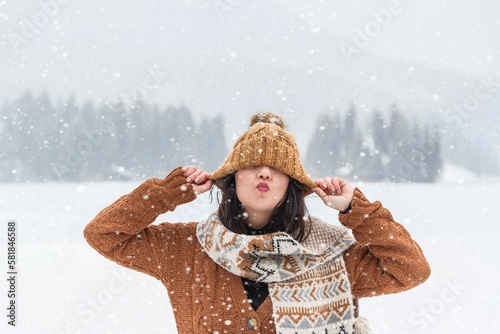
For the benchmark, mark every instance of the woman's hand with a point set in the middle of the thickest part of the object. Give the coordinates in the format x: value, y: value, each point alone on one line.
x: 335, y: 192
x: 198, y: 178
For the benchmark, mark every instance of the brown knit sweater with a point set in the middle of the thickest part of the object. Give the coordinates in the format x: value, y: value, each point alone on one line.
x: 205, y: 298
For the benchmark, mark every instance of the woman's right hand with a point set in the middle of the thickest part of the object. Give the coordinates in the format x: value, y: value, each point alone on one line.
x: 198, y: 178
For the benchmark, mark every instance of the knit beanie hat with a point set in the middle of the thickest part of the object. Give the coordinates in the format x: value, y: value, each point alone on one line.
x: 267, y: 143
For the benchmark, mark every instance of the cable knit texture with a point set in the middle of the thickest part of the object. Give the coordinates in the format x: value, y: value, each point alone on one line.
x: 206, y: 298
x: 266, y: 143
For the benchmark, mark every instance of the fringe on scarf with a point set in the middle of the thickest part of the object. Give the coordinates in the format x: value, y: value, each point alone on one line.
x: 361, y: 326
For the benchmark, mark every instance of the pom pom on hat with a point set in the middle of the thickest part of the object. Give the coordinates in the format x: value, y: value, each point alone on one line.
x: 266, y: 143
x: 267, y: 117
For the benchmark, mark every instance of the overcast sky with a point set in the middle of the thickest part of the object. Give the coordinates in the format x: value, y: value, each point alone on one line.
x: 236, y: 57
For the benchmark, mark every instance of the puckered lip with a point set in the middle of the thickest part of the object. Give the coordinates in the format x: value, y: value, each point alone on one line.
x: 263, y: 186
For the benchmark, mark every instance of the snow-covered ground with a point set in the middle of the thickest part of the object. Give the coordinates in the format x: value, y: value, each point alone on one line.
x: 64, y: 286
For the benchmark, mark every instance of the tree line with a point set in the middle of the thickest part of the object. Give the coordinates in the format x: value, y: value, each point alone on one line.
x: 381, y: 148
x: 67, y: 141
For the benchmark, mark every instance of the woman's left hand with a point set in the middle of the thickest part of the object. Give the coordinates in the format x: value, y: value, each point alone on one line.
x: 335, y: 192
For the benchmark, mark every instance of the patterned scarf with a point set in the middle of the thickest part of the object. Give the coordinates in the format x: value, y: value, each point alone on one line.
x: 308, y: 283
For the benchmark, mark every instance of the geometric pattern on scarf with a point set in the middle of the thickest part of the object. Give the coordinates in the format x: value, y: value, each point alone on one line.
x: 308, y: 282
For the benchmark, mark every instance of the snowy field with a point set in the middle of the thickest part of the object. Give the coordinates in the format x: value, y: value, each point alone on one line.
x: 64, y: 286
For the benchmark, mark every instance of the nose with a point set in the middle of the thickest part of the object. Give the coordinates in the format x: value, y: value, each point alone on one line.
x: 264, y: 173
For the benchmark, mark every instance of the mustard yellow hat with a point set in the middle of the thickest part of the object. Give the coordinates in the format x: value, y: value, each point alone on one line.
x: 266, y: 143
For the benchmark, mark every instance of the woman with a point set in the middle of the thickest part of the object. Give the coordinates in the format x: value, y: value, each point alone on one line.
x: 261, y: 264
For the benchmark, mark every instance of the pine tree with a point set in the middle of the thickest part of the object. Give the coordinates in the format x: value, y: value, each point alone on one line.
x: 181, y: 130
x: 323, y: 153
x: 26, y: 121
x: 377, y: 155
x: 9, y: 145
x: 399, y: 167
x: 352, y: 141
x: 433, y: 160
x: 211, y: 146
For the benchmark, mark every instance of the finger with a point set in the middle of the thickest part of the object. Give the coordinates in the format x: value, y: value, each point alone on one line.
x: 204, y: 177
x: 195, y: 176
x: 318, y: 191
x: 342, y: 183
x: 200, y: 177
x: 324, y: 195
x: 336, y: 184
x: 207, y: 185
x: 330, y: 185
x: 321, y: 183
x: 200, y: 189
x: 188, y: 170
x: 344, y: 186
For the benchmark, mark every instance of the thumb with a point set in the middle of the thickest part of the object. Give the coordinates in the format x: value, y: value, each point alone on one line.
x: 201, y: 188
x: 320, y: 192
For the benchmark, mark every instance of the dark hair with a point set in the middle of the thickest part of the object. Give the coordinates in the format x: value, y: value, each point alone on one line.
x: 288, y: 216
